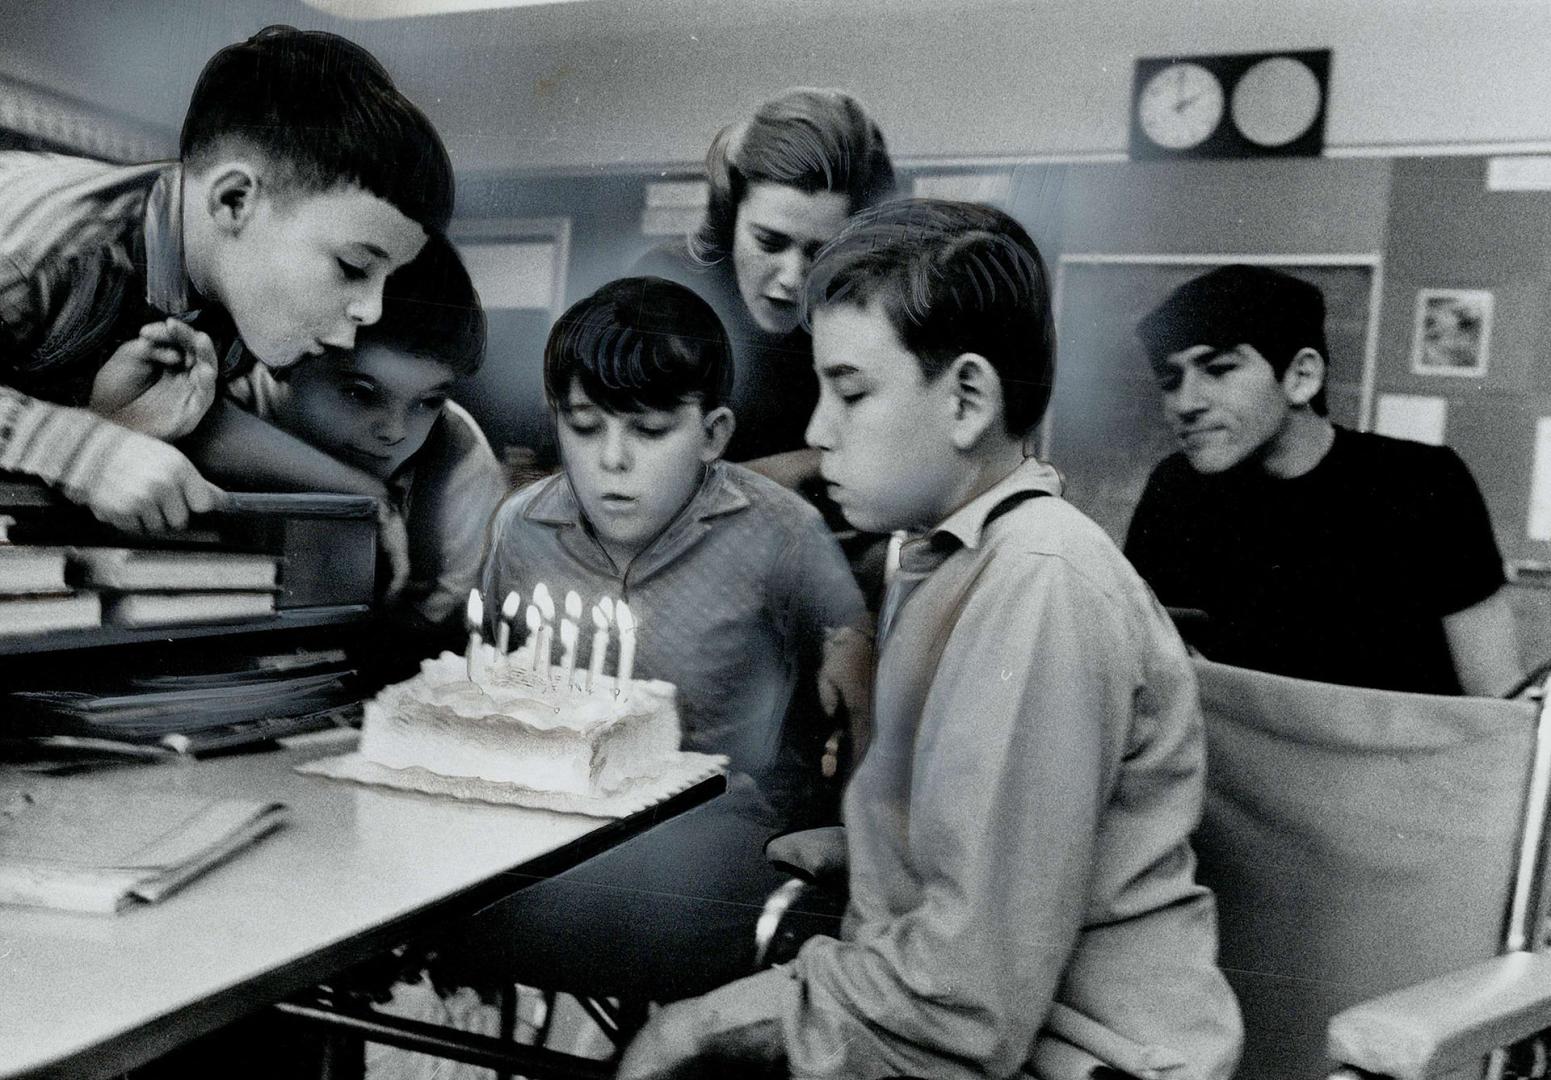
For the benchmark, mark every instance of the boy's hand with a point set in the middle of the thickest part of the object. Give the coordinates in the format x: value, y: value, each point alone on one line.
x: 845, y: 678
x: 393, y: 542
x: 735, y: 1030
x: 160, y: 383
x: 144, y: 485
x: 667, y: 1048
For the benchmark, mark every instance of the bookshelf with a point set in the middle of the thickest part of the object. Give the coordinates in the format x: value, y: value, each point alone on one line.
x: 296, y: 619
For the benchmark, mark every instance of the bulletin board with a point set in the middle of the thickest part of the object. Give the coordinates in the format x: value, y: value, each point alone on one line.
x: 1105, y: 430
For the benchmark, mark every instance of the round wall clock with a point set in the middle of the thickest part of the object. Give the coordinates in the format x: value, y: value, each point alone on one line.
x: 1180, y: 105
x: 1230, y: 105
x: 1276, y: 101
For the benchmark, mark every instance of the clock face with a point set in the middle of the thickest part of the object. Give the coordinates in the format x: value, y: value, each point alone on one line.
x: 1276, y: 101
x: 1180, y: 106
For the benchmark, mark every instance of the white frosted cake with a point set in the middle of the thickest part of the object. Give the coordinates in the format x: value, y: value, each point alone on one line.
x: 515, y: 726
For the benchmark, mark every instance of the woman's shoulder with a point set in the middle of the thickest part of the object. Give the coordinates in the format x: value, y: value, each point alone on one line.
x: 671, y: 259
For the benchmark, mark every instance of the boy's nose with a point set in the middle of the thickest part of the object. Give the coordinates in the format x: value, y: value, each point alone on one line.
x: 390, y: 429
x: 615, y: 452
x: 1185, y: 398
x: 818, y: 434
x: 365, y: 308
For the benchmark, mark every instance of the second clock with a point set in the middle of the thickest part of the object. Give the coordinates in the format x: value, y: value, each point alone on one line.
x: 1230, y: 106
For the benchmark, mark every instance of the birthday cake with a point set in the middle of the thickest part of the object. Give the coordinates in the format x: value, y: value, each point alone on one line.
x: 518, y: 726
x: 521, y: 719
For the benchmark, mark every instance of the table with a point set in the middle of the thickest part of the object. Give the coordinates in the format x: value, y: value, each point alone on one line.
x: 356, y: 871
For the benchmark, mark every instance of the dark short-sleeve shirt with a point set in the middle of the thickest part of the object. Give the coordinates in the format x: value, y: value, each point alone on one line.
x: 1341, y: 575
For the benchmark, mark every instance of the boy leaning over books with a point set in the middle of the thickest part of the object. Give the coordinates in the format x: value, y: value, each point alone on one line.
x: 1022, y: 893
x: 304, y: 179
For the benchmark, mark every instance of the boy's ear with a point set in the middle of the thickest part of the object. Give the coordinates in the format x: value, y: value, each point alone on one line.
x: 1304, y: 377
x: 719, y: 424
x: 232, y: 196
x: 976, y: 395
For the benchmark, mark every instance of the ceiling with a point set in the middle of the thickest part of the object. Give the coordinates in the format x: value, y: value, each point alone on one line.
x: 641, y: 83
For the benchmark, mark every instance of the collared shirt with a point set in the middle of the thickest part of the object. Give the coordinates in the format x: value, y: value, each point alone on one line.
x: 731, y: 600
x: 447, y: 491
x: 1022, y: 883
x: 89, y: 253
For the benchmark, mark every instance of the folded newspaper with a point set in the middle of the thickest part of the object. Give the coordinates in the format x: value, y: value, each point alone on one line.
x: 84, y: 848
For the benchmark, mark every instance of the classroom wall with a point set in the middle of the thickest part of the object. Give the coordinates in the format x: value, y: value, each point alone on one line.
x: 1446, y: 230
x: 1106, y: 427
x: 632, y: 83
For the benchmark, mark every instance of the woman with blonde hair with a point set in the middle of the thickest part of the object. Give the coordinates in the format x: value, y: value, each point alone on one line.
x: 782, y: 182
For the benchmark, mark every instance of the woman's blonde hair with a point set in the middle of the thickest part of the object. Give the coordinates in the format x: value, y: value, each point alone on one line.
x: 809, y: 139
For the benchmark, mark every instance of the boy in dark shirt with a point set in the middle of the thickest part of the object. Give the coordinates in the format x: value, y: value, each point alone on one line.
x: 1315, y: 551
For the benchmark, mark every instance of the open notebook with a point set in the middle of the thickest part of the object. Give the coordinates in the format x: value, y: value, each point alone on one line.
x: 81, y: 847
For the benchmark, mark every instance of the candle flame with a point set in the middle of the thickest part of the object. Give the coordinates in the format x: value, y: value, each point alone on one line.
x: 608, y: 608
x: 573, y: 604
x: 599, y: 620
x: 545, y: 602
x: 623, y: 616
x: 533, y: 619
x: 510, y: 606
x: 476, y: 608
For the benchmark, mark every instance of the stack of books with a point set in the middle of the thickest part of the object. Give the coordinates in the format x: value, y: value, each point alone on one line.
x: 252, y: 700
x: 168, y: 588
x: 78, y: 847
x: 46, y: 588
x: 34, y: 595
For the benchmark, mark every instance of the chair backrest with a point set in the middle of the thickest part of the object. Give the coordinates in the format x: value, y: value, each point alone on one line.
x: 1358, y: 841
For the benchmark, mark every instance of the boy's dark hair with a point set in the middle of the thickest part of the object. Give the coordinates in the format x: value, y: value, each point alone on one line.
x: 953, y: 278
x: 639, y: 343
x: 431, y: 309
x: 811, y: 140
x: 324, y: 112
x: 1274, y: 313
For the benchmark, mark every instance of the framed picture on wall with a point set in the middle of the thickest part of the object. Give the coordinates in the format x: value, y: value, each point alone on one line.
x: 1452, y: 332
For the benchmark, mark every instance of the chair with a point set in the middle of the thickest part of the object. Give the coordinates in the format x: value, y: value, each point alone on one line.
x: 1364, y: 841
x: 1378, y: 862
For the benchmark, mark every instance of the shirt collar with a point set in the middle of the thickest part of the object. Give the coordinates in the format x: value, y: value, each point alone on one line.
x: 166, y: 278
x: 556, y: 504
x: 966, y: 526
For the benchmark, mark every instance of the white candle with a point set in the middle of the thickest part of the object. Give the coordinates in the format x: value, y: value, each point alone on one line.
x: 534, y: 621
x: 475, y: 617
x: 570, y: 634
x: 626, y: 622
x: 600, y: 645
x: 546, y: 605
x: 503, y: 633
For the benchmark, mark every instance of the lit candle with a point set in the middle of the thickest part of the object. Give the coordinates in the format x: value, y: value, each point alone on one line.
x: 503, y: 633
x: 546, y: 605
x: 475, y: 617
x: 626, y: 623
x: 534, y: 621
x: 600, y: 645
x: 570, y: 634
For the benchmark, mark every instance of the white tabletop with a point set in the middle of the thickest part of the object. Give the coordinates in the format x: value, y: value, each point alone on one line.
x: 356, y: 870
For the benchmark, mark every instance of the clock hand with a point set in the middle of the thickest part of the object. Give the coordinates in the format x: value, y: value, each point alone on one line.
x: 1184, y: 103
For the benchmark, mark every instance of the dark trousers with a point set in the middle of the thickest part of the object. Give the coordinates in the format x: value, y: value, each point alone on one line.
x: 666, y: 915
